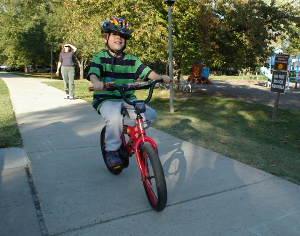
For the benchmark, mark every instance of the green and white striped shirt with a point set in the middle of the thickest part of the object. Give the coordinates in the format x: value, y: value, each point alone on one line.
x: 124, y: 69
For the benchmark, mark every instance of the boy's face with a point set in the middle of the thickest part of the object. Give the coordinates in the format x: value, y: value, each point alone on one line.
x: 115, y: 41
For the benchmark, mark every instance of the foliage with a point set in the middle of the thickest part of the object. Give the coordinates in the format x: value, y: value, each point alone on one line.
x: 22, y: 38
x: 240, y: 34
x: 292, y: 44
x: 223, y: 34
x: 227, y: 34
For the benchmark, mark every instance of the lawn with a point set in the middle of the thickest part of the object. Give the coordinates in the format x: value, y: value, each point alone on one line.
x: 9, y: 132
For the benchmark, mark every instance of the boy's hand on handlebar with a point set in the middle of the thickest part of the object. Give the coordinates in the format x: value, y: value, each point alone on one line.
x: 98, y: 86
x: 155, y: 76
x: 166, y: 79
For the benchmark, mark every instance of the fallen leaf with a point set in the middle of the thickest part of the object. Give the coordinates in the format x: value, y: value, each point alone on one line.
x: 222, y: 141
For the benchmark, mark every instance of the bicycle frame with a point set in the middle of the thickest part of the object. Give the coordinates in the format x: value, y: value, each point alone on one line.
x: 137, y: 136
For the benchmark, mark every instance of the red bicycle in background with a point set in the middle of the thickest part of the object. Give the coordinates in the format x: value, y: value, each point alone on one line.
x: 135, y: 141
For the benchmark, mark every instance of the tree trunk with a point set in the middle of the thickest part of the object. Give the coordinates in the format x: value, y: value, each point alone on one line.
x: 81, y: 69
x: 177, y: 73
x: 82, y: 65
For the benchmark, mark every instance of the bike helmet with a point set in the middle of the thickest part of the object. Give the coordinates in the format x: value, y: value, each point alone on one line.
x: 118, y: 25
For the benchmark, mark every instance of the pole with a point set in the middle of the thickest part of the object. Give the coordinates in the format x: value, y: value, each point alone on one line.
x: 171, y: 59
x: 275, y: 106
x: 51, y: 63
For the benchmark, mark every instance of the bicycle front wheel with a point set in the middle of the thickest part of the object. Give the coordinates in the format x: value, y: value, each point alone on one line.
x: 154, y: 181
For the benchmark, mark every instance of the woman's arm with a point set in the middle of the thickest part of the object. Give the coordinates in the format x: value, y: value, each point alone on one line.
x: 71, y: 46
x: 58, y: 67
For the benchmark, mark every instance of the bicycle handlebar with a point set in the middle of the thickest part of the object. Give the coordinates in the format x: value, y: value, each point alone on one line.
x: 132, y: 86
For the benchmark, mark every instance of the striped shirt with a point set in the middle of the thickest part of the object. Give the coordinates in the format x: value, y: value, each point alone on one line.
x: 124, y: 69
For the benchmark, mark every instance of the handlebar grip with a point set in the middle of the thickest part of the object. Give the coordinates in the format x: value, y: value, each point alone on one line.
x: 106, y: 86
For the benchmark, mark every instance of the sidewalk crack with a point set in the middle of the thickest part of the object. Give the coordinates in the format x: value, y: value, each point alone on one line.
x: 36, y: 202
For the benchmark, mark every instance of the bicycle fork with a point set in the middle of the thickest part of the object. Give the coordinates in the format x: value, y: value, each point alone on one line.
x: 139, y: 139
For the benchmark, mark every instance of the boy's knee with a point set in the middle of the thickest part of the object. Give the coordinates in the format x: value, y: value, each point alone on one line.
x: 153, y: 116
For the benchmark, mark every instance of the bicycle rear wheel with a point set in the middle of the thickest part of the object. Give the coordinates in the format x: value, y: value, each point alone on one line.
x: 154, y: 182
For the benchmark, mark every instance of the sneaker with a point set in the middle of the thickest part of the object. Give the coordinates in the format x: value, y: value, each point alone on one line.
x: 113, y: 159
x: 72, y: 98
x: 67, y: 96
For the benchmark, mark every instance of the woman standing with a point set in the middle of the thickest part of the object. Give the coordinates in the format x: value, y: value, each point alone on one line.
x: 67, y: 63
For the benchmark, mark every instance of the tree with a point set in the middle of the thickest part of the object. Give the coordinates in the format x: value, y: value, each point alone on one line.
x: 22, y: 26
x: 75, y: 26
x: 246, y: 30
x: 223, y: 33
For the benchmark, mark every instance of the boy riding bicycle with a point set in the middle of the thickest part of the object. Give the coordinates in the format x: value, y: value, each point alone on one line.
x: 123, y: 68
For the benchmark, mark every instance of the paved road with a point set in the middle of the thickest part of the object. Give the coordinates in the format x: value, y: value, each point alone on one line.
x: 252, y: 91
x: 208, y: 194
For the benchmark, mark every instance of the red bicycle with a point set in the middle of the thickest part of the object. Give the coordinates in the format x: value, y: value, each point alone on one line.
x: 138, y: 143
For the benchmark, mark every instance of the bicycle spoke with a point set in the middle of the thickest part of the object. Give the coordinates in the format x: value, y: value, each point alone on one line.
x: 149, y: 178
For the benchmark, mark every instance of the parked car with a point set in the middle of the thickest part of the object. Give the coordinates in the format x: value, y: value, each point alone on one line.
x: 53, y: 69
x: 31, y: 68
x: 16, y: 68
x: 42, y: 69
x: 4, y: 67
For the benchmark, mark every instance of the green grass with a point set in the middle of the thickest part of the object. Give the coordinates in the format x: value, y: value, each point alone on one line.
x: 35, y: 75
x: 239, y: 130
x: 9, y: 132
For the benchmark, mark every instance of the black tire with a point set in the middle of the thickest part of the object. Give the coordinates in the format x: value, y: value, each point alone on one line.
x: 155, y: 182
x: 102, y: 145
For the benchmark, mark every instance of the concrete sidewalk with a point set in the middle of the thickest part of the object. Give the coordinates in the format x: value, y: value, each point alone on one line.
x: 208, y: 194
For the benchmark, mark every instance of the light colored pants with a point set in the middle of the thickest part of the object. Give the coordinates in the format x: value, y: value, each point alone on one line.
x: 111, y: 113
x: 68, y: 74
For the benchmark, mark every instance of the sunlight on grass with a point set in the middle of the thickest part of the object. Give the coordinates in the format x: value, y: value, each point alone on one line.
x: 246, y: 115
